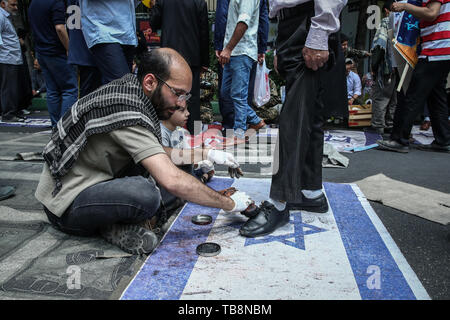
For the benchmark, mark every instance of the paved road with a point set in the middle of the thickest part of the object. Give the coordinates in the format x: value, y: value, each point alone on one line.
x: 425, y: 244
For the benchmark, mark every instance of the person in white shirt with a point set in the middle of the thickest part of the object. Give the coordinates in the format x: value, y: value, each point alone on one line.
x: 304, y: 27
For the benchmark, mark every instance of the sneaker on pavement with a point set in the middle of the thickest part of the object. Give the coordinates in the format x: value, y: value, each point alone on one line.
x: 6, y: 192
x: 374, y: 130
x: 391, y: 145
x: 434, y: 147
x: 319, y: 204
x: 132, y: 238
x: 13, y: 119
x: 266, y: 221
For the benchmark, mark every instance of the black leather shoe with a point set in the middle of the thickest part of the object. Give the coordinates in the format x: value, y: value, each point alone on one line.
x: 434, y: 147
x: 265, y: 222
x: 391, y: 145
x: 319, y: 204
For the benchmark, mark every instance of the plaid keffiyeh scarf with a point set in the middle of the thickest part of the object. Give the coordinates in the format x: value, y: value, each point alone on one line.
x: 381, y: 39
x: 121, y: 103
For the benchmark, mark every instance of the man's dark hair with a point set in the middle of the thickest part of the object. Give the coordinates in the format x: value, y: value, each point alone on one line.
x: 157, y: 62
x: 344, y: 37
x: 387, y: 5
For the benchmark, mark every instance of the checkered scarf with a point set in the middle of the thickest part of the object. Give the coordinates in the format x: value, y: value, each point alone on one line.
x: 121, y: 103
x: 381, y: 39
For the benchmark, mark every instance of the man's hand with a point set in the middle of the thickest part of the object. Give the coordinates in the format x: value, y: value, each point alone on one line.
x: 398, y: 7
x: 221, y: 157
x: 225, y: 56
x: 261, y: 57
x: 315, y: 59
x: 241, y: 201
x: 218, y: 52
x: 206, y: 166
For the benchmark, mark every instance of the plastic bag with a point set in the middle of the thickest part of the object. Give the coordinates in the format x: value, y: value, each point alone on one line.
x: 261, y: 93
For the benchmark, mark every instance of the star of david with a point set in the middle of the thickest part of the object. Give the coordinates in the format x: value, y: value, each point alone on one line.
x: 294, y: 239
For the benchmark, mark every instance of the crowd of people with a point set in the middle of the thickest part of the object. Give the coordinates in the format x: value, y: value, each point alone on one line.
x: 117, y: 157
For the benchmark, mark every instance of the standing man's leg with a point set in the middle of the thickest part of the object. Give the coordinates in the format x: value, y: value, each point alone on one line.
x: 225, y: 94
x: 53, y: 93
x: 67, y: 81
x: 111, y: 60
x: 194, y: 101
x: 297, y: 159
x: 225, y: 105
x: 381, y: 96
x: 243, y: 113
x: 389, y: 119
x: 65, y: 78
x: 438, y: 109
x: 426, y: 76
x: 9, y: 92
x: 90, y: 79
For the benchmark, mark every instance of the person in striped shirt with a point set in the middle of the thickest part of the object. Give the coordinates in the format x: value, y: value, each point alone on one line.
x: 428, y: 80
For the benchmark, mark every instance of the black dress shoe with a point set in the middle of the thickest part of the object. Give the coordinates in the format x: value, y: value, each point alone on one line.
x: 265, y: 222
x: 319, y: 204
x: 391, y: 145
x: 434, y: 147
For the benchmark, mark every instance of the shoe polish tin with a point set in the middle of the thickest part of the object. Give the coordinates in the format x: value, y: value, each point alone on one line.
x: 201, y: 219
x: 208, y: 249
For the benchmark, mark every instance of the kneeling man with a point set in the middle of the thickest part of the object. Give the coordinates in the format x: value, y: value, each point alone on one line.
x: 94, y: 180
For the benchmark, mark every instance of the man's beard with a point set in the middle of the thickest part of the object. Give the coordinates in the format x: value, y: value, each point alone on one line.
x: 161, y: 106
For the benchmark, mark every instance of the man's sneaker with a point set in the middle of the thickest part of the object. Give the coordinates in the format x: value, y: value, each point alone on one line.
x: 266, y: 221
x: 319, y: 204
x: 6, y: 192
x: 391, y: 145
x: 132, y: 238
x: 434, y: 147
x: 13, y: 119
x: 374, y: 130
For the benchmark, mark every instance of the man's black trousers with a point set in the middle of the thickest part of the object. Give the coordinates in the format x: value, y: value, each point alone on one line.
x: 298, y: 154
x: 427, y: 85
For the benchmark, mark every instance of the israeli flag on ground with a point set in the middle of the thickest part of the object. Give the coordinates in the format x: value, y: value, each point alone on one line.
x: 345, y: 253
x: 349, y: 141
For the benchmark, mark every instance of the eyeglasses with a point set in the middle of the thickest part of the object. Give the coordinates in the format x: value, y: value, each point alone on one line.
x: 181, y: 96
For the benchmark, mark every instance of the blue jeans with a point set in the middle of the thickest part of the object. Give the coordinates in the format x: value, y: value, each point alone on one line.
x: 234, y: 90
x: 62, y: 87
x: 127, y: 200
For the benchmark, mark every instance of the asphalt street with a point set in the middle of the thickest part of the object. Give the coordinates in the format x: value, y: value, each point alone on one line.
x: 424, y: 244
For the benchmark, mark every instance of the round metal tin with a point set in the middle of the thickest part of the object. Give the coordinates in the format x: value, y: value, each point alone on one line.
x: 208, y: 249
x: 201, y: 219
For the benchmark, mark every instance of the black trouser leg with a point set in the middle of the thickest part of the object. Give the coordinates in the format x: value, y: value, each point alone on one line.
x: 90, y: 79
x: 298, y: 154
x: 9, y: 89
x: 427, y: 84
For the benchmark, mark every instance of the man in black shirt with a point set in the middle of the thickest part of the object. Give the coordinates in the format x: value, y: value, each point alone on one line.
x: 184, y: 27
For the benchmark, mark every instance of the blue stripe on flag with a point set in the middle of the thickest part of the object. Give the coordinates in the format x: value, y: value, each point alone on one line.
x: 166, y: 272
x: 366, y: 250
x: 371, y: 138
